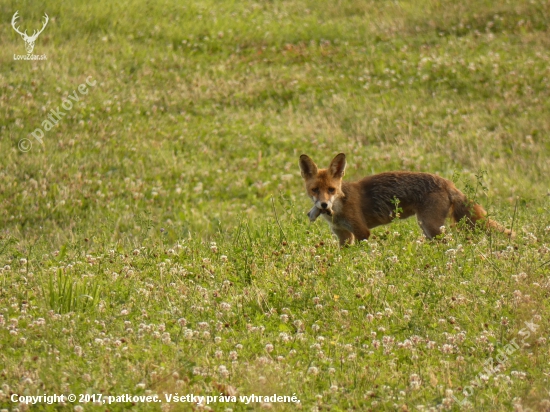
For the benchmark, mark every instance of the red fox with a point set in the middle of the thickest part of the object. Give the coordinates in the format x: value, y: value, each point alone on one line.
x: 353, y: 208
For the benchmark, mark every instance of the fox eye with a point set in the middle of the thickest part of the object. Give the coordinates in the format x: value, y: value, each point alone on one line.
x: 331, y: 190
x: 315, y: 190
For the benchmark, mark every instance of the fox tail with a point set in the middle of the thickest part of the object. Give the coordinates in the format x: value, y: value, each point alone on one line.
x: 474, y: 213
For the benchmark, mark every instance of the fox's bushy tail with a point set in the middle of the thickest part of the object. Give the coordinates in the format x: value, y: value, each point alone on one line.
x: 473, y: 213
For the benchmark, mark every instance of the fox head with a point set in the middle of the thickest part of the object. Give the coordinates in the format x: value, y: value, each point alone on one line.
x: 323, y: 186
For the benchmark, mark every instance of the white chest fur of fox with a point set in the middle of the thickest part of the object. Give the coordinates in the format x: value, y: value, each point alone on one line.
x: 353, y: 208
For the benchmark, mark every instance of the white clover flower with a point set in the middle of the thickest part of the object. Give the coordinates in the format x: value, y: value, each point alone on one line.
x: 313, y: 370
x: 415, y: 382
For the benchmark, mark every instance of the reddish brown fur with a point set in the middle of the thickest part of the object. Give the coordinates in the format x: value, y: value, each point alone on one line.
x: 356, y: 207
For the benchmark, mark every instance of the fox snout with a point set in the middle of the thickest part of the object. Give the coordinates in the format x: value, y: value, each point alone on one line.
x: 323, y: 205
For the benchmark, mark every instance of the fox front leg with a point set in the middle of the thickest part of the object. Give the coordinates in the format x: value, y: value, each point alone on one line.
x: 314, y: 213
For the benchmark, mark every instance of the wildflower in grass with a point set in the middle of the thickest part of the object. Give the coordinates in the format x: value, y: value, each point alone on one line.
x: 415, y: 339
x: 370, y: 317
x: 140, y: 385
x: 222, y: 370
x: 518, y: 374
x: 78, y: 408
x: 233, y: 355
x: 447, y: 401
x: 284, y: 318
x: 188, y: 333
x: 218, y: 354
x: 262, y: 379
x: 269, y: 348
x: 519, y: 277
x: 415, y: 382
x: 446, y: 348
x: 406, y: 344
x: 313, y: 370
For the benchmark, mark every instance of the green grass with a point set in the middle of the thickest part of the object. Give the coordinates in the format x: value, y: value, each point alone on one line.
x: 171, y: 192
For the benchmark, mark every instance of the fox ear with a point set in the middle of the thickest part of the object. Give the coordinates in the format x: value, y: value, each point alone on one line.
x: 307, y: 167
x: 337, y: 167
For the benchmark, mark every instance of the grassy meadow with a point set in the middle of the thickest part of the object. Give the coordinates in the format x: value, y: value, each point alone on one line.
x: 155, y: 242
